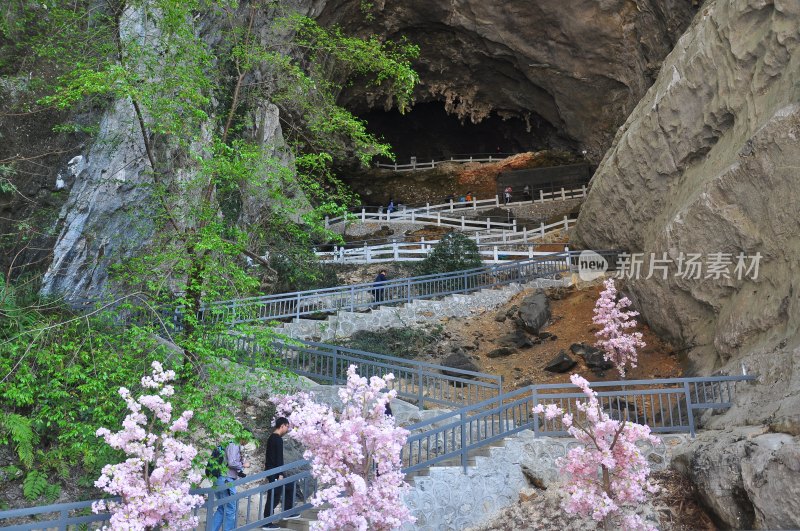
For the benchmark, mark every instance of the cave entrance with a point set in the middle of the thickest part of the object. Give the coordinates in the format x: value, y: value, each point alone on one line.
x: 427, y: 132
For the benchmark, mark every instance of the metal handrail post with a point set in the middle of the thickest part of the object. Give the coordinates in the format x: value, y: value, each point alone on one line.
x: 408, y: 290
x: 297, y: 307
x: 535, y: 401
x: 463, y: 442
x: 335, y: 365
x: 419, y: 388
x: 209, y: 506
x: 689, y: 410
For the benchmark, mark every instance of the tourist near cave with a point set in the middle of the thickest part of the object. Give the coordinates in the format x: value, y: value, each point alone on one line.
x: 418, y: 265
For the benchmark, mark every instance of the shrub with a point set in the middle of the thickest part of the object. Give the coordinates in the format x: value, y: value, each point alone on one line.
x: 454, y: 252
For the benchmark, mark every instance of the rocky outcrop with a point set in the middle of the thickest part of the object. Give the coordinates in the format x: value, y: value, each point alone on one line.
x: 749, y: 478
x: 706, y: 164
x: 579, y: 67
x: 110, y: 212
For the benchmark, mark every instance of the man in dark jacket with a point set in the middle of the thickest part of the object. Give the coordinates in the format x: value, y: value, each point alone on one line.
x: 275, y: 460
x: 378, y: 288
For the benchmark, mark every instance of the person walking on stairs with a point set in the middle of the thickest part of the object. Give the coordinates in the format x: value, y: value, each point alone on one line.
x: 507, y: 194
x: 377, y: 287
x: 225, y: 515
x: 274, y: 459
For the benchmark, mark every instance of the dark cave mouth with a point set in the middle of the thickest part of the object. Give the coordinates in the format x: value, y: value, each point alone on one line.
x: 427, y: 132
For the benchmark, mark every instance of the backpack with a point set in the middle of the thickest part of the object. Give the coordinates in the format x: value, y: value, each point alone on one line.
x: 217, y: 464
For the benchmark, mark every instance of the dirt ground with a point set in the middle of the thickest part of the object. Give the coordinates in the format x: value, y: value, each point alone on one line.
x: 571, y: 322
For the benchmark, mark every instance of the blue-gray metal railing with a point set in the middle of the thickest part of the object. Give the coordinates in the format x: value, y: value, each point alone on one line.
x: 370, y: 295
x: 252, y: 495
x: 425, y: 384
x: 666, y: 405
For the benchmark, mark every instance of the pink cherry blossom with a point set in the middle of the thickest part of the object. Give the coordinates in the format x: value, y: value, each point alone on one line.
x: 619, y: 346
x: 154, y: 480
x: 607, y: 477
x: 354, y: 454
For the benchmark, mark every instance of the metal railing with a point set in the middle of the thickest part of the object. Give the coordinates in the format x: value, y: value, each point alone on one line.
x: 369, y: 295
x: 425, y: 384
x: 253, y: 494
x: 666, y: 405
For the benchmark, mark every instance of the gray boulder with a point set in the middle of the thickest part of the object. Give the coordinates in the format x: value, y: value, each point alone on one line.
x: 561, y: 363
x: 515, y: 339
x: 749, y: 479
x: 534, y: 312
x: 593, y: 357
x: 500, y: 352
x: 460, y: 361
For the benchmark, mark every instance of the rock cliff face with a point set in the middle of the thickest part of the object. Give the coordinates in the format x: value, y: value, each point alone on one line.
x: 707, y: 163
x: 108, y: 214
x: 579, y: 66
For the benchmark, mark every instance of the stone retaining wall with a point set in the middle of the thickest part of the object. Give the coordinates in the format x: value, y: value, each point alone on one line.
x: 416, y: 313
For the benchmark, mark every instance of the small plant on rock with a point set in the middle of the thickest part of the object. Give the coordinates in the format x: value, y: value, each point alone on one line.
x: 354, y: 454
x: 154, y: 480
x: 619, y: 346
x: 608, y: 476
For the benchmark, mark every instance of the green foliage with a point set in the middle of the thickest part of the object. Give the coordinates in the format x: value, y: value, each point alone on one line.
x: 16, y: 430
x: 190, y: 103
x: 454, y: 252
x: 36, y: 486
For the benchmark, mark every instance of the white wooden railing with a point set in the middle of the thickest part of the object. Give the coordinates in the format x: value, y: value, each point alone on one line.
x: 430, y: 214
x: 414, y: 165
x: 415, y: 252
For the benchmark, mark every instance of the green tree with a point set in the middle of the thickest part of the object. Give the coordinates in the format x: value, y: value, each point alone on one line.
x: 454, y: 252
x: 192, y: 96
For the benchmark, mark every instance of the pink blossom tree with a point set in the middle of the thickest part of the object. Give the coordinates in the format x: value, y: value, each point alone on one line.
x: 354, y: 454
x: 619, y: 346
x: 154, y: 480
x: 608, y: 476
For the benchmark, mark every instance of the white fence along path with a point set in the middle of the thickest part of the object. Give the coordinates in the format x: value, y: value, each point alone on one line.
x: 428, y: 213
x: 417, y: 251
x: 414, y: 165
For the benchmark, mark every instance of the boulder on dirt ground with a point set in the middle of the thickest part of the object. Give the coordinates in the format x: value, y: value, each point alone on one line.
x: 515, y: 339
x: 593, y: 357
x: 460, y: 361
x: 501, y: 352
x: 534, y: 312
x: 561, y: 363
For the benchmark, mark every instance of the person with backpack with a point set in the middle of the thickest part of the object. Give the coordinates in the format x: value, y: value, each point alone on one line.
x: 274, y: 459
x: 226, y: 467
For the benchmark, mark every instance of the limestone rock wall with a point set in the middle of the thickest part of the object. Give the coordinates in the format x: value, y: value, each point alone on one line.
x: 707, y: 163
x: 108, y: 215
x: 748, y: 477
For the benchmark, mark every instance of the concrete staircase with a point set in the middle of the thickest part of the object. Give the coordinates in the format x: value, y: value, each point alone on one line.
x: 417, y: 312
x: 419, y: 481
